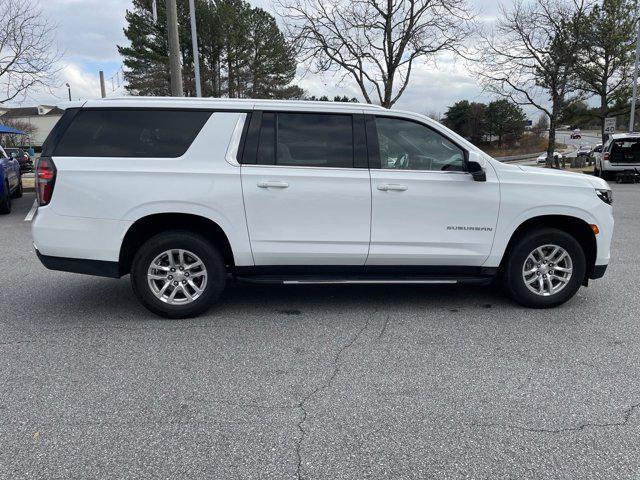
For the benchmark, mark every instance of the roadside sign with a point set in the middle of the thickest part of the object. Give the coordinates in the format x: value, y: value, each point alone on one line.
x: 610, y: 125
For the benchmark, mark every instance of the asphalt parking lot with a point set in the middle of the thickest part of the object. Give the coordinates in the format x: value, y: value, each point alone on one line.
x: 318, y: 382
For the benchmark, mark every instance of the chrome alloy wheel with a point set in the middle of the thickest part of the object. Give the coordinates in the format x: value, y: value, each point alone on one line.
x: 547, y: 270
x: 177, y: 277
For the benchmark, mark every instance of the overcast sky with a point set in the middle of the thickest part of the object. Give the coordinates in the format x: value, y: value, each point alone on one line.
x: 89, y: 30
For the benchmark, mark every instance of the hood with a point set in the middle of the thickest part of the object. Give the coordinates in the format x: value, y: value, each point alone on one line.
x: 562, y: 177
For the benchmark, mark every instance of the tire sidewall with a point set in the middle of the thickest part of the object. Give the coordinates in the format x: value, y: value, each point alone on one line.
x: 514, y: 281
x: 210, y: 256
x: 5, y: 203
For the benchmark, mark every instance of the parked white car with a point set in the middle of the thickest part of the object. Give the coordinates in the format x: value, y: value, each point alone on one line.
x: 183, y: 194
x: 542, y: 158
x: 619, y: 154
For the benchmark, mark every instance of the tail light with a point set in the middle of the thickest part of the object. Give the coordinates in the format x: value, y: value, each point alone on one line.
x: 45, y: 180
x: 605, y: 156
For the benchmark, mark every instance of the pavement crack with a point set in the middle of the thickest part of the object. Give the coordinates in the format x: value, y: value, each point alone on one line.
x: 384, y: 327
x: 319, y: 389
x: 626, y: 417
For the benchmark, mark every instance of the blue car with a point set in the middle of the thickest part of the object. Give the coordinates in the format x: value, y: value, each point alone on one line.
x: 10, y: 181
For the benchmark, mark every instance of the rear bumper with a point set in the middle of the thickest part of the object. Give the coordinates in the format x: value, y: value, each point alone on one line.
x: 97, y: 268
x: 619, y: 167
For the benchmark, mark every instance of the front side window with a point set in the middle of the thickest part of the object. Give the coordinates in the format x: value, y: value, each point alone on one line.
x: 407, y: 145
x: 306, y: 140
x: 131, y: 133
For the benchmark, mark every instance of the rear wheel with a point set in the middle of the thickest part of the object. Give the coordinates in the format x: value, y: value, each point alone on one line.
x: 545, y: 268
x: 178, y: 274
x: 5, y: 200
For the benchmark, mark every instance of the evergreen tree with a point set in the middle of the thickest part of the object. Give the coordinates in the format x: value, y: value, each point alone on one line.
x: 242, y: 51
x: 468, y: 119
x: 505, y: 120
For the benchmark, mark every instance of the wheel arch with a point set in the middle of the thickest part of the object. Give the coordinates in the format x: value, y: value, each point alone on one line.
x: 146, y: 227
x: 574, y: 226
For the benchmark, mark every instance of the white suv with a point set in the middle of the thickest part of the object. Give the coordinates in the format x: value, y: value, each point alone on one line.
x: 621, y: 153
x: 184, y: 194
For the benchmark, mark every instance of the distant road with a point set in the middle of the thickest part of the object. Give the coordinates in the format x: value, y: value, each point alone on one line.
x: 589, y: 138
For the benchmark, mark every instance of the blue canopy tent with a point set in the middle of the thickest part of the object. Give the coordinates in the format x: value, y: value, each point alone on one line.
x: 11, y: 131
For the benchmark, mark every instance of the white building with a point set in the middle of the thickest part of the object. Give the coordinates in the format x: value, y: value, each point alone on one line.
x: 42, y: 118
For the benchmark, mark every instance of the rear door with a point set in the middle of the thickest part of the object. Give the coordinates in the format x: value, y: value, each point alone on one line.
x: 427, y: 211
x: 625, y: 152
x: 306, y: 189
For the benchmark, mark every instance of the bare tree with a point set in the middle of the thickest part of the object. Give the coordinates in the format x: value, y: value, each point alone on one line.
x: 28, y: 53
x: 530, y: 56
x: 375, y: 42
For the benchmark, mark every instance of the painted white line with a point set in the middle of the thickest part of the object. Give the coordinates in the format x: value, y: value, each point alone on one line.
x: 32, y: 212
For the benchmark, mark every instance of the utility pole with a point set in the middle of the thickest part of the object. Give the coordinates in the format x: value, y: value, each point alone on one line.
x: 175, y: 67
x: 194, y: 43
x: 632, y: 116
x: 103, y: 90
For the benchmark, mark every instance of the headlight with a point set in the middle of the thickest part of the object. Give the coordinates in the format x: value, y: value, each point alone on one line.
x: 605, y: 195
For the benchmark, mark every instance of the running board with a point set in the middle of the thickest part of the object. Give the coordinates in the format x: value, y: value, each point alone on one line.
x: 377, y: 280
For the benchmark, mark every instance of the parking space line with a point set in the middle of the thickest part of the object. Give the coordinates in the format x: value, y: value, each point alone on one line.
x: 32, y: 212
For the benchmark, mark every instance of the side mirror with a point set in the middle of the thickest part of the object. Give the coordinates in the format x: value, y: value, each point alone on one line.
x: 475, y: 166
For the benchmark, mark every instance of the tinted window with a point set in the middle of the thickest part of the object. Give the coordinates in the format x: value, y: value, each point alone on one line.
x: 131, y: 133
x: 306, y: 140
x: 407, y: 145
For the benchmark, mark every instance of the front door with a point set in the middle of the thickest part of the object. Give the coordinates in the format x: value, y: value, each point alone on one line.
x: 307, y: 190
x: 426, y: 210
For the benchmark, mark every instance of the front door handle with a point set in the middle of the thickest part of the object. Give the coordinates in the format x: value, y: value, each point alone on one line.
x: 273, y: 184
x: 393, y: 187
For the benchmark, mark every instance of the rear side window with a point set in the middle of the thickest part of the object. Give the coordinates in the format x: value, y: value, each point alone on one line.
x: 306, y: 140
x: 131, y: 133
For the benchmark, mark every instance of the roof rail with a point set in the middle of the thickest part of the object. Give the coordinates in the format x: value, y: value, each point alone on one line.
x: 246, y: 100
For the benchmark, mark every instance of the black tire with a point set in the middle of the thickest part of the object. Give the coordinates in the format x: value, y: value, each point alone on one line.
x: 513, y: 278
x: 5, y: 201
x: 185, y: 240
x: 18, y: 191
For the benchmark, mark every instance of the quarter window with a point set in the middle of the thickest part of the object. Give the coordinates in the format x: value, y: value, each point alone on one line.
x: 306, y: 140
x: 406, y: 145
x: 131, y: 133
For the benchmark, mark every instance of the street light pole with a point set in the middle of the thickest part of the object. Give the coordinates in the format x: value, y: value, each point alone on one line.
x: 194, y: 42
x: 69, y: 89
x: 632, y: 116
x: 175, y: 67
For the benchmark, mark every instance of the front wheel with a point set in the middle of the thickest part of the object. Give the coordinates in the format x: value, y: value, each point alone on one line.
x: 178, y: 274
x: 545, y: 268
x: 18, y: 191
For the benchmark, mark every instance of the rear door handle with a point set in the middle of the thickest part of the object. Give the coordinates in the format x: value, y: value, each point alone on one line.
x: 273, y: 184
x: 391, y: 186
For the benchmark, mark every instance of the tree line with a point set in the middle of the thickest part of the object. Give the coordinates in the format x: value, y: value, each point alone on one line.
x: 544, y: 54
x: 243, y: 53
x: 551, y: 54
x: 501, y: 119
